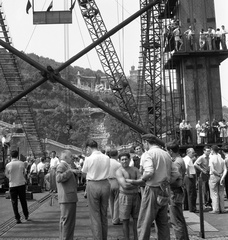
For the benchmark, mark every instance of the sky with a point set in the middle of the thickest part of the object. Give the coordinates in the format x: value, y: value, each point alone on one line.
x: 48, y: 40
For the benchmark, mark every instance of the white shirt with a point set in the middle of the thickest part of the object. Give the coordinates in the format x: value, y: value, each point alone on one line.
x: 216, y: 163
x: 114, y: 165
x: 131, y: 164
x: 15, y: 171
x: 96, y: 166
x: 33, y: 168
x: 142, y: 159
x: 40, y: 167
x: 189, y: 164
x: 54, y: 162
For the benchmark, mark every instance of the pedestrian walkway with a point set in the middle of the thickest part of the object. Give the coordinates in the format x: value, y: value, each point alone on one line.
x: 44, y: 223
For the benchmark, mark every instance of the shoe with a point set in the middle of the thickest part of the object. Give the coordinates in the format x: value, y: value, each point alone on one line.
x: 225, y: 211
x: 195, y: 211
x: 119, y: 223
x: 213, y: 212
x: 18, y: 221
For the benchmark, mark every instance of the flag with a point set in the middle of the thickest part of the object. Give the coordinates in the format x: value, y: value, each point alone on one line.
x: 50, y: 6
x: 72, y: 6
x: 29, y: 5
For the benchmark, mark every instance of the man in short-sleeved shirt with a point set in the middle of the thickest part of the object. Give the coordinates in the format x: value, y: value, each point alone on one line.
x: 97, y: 167
x: 202, y: 164
x: 15, y: 172
x: 114, y: 192
x: 190, y: 180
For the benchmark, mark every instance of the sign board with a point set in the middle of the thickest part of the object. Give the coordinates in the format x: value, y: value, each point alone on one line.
x: 52, y: 17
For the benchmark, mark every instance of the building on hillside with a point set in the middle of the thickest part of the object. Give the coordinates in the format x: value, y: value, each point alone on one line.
x: 92, y: 83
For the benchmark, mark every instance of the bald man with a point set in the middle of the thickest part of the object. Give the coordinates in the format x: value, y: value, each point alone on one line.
x: 67, y: 195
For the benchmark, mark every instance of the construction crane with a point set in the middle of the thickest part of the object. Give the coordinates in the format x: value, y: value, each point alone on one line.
x: 170, y: 83
x: 150, y: 94
x: 110, y: 63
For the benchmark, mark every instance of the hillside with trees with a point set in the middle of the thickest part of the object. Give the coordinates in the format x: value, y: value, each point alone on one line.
x: 54, y: 106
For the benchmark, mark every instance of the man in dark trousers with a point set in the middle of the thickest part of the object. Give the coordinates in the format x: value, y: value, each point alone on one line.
x: 177, y: 194
x: 67, y: 195
x: 15, y: 172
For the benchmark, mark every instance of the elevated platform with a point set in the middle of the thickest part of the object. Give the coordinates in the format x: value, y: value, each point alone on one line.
x: 175, y: 57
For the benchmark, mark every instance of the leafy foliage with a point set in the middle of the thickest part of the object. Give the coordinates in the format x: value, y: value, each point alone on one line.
x: 54, y: 106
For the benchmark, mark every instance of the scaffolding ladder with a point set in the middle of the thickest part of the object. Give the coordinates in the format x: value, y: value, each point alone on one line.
x: 10, y: 72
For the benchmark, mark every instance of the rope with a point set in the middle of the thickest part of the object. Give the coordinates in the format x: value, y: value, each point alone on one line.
x: 33, y: 32
x: 84, y: 45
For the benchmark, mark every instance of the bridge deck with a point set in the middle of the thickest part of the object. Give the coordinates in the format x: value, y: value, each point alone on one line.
x: 44, y: 222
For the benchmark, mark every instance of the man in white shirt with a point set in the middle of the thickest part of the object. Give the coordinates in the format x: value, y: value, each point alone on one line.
x: 114, y: 193
x: 190, y: 180
x: 223, y: 37
x: 33, y: 177
x: 15, y: 172
x: 53, y: 165
x: 218, y: 172
x: 182, y: 127
x: 97, y: 167
x: 40, y: 172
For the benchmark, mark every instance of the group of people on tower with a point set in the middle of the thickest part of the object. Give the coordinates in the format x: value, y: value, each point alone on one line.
x: 210, y: 39
x: 214, y: 132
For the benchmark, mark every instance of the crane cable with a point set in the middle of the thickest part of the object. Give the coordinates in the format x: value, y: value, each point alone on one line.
x: 33, y: 30
x: 84, y: 45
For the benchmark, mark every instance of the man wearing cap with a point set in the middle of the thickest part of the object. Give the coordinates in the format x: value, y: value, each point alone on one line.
x: 156, y: 175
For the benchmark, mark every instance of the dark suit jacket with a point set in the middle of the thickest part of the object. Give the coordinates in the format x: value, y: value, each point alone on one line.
x: 66, y: 184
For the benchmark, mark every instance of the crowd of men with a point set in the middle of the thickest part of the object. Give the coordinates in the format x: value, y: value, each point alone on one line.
x: 214, y: 132
x: 147, y: 184
x: 211, y: 39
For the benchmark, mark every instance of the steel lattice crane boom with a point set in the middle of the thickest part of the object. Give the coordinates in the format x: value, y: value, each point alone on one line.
x: 149, y: 95
x: 110, y: 61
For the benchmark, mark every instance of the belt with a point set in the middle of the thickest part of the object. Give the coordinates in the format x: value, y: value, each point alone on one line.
x: 153, y: 186
x: 90, y: 180
x: 128, y: 193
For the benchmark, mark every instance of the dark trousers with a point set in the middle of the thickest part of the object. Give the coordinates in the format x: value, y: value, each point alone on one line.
x: 190, y: 185
x: 226, y: 185
x: 15, y: 192
x: 176, y: 214
x: 206, y: 193
x: 41, y: 179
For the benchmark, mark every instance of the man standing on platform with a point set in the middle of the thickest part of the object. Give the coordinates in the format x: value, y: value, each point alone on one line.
x: 53, y: 165
x: 15, y: 172
x: 67, y: 195
x: 97, y: 167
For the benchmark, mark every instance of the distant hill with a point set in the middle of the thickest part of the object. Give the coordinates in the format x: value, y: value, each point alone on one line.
x: 54, y: 105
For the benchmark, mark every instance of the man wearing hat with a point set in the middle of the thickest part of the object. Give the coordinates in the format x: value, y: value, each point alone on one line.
x: 156, y: 175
